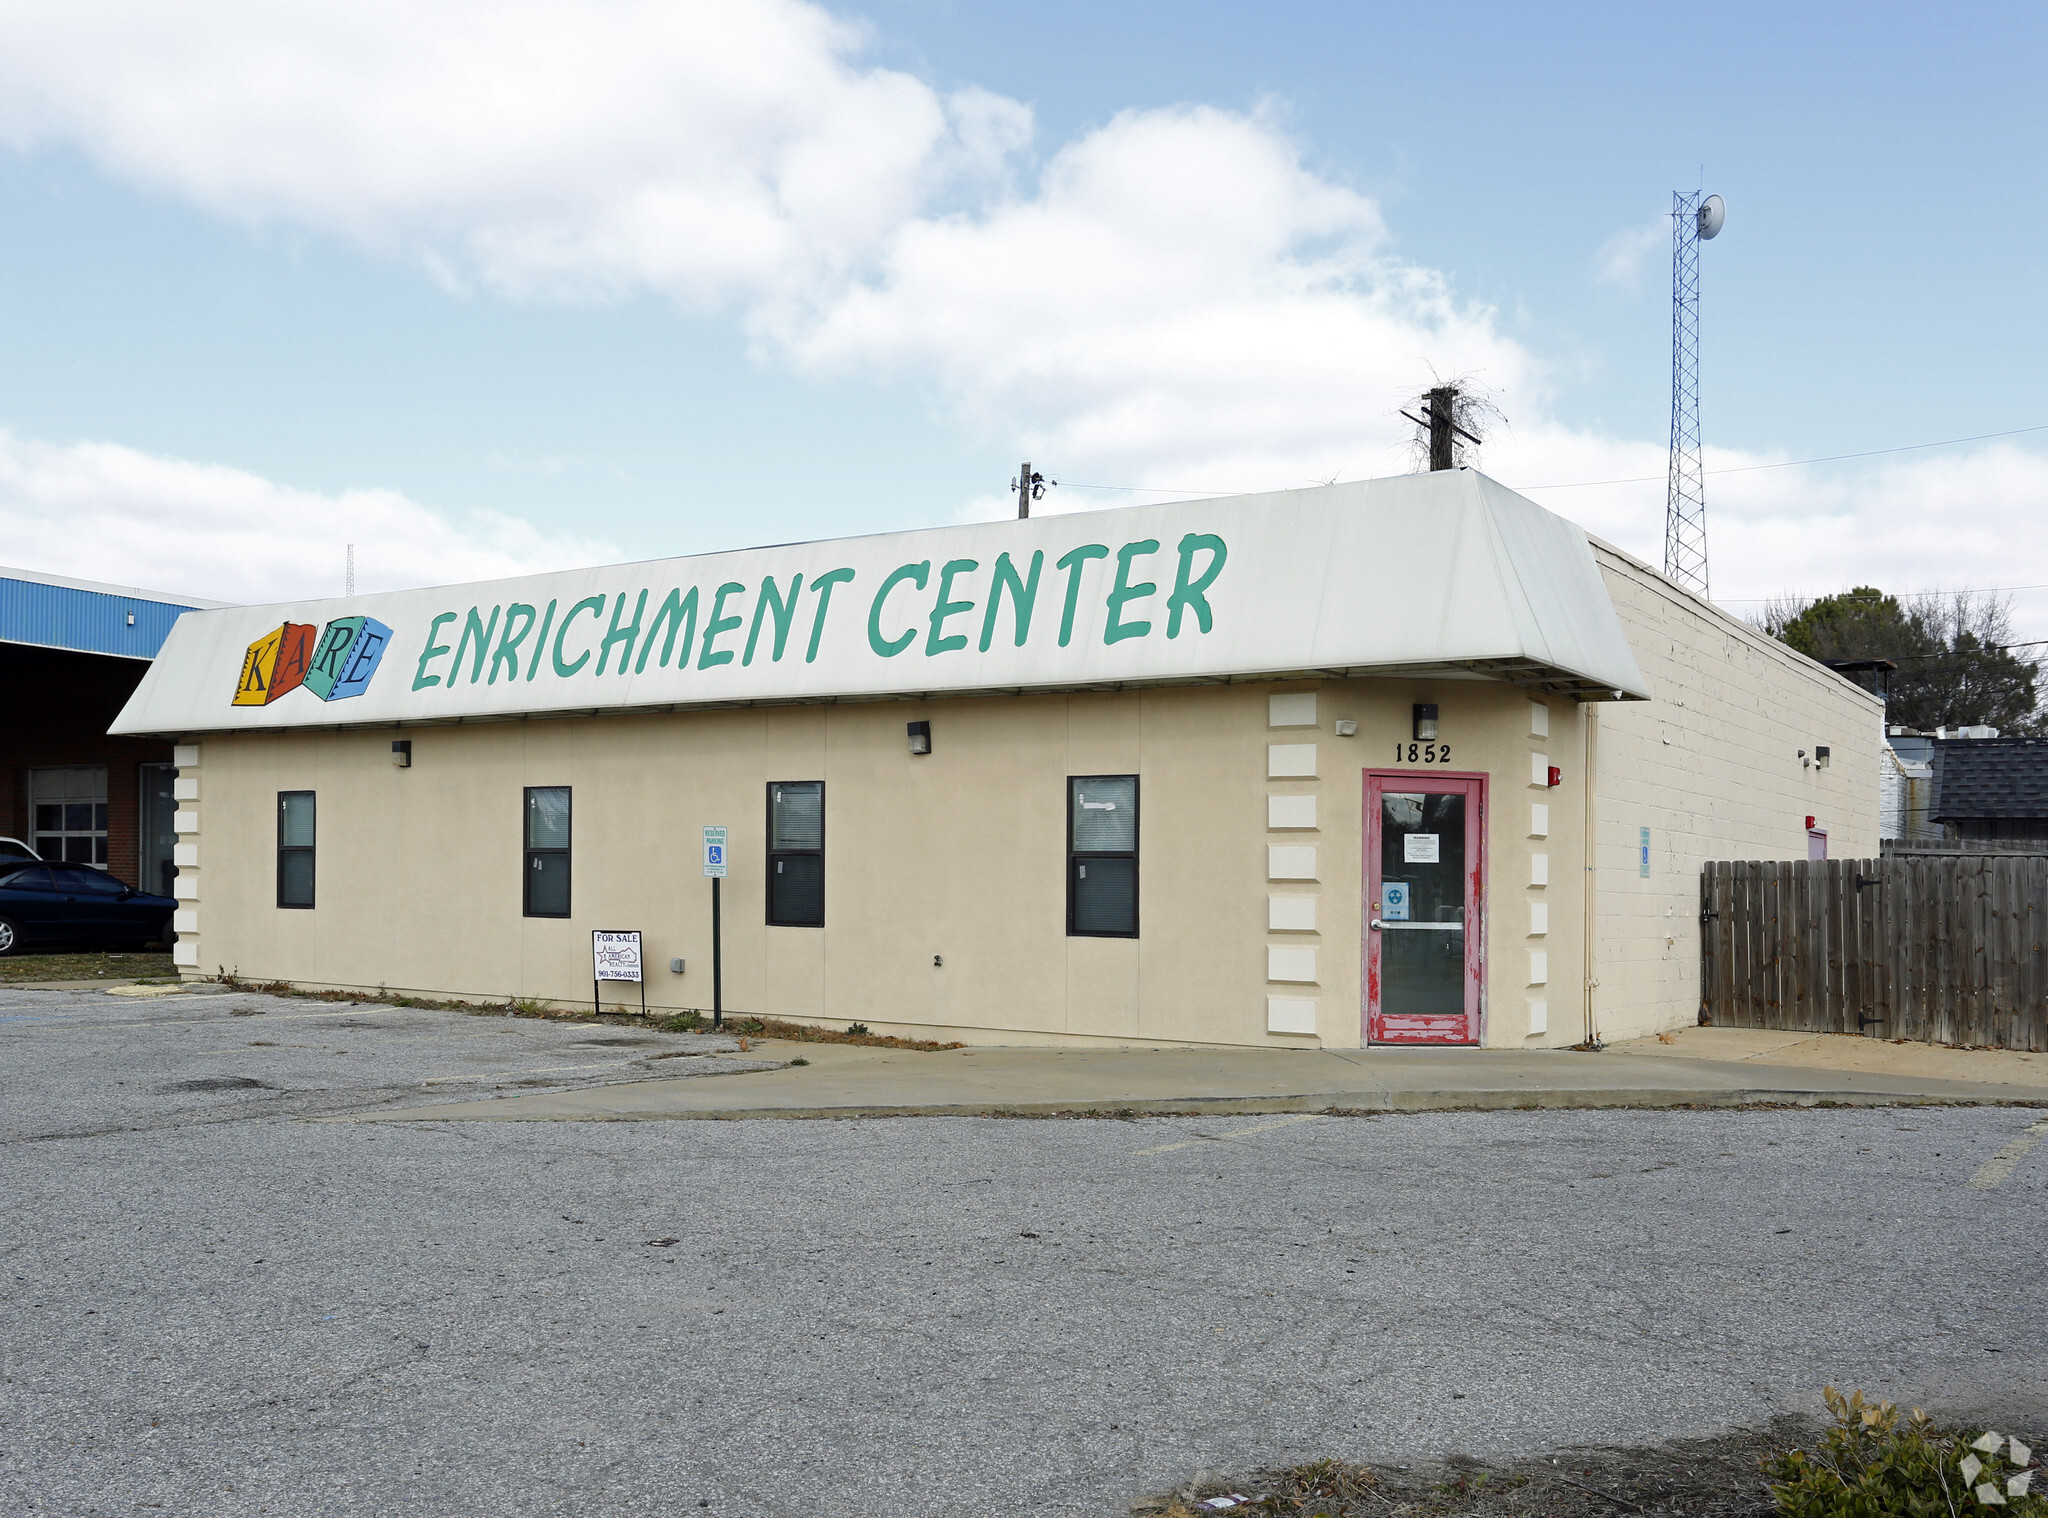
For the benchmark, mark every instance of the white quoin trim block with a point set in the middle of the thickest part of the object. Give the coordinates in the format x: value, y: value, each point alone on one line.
x: 1291, y: 914
x: 1297, y: 710
x: 1290, y: 862
x: 1297, y: 965
x: 1290, y: 811
x: 1290, y: 761
x: 1286, y: 1014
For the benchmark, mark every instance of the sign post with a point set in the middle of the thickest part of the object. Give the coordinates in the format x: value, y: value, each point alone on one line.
x: 714, y: 866
x: 615, y: 955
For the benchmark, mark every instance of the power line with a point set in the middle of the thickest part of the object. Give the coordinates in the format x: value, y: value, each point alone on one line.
x: 1963, y: 653
x: 1970, y: 590
x: 1833, y: 458
x: 1640, y: 479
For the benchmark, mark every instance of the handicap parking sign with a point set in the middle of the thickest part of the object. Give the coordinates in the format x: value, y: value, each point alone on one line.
x: 714, y: 853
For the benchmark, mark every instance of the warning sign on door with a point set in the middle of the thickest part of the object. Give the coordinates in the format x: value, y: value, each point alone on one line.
x: 1419, y: 848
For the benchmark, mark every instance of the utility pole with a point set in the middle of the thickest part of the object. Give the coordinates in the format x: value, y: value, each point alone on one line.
x: 1023, y: 491
x: 1443, y: 405
x: 1439, y: 420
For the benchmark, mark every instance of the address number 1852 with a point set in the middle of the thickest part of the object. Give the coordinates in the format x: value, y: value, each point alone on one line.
x: 1422, y: 753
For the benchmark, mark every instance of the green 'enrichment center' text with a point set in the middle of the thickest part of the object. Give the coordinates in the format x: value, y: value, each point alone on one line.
x: 921, y: 605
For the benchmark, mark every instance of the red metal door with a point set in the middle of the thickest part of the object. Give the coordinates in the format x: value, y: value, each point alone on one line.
x: 1425, y: 896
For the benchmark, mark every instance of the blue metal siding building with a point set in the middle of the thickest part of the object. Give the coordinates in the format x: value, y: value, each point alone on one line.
x: 71, y: 653
x: 47, y: 612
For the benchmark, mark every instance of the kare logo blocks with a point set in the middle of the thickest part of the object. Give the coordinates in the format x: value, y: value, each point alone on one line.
x: 334, y: 665
x: 347, y: 655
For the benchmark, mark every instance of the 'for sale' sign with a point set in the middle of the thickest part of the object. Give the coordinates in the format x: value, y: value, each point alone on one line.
x: 615, y: 955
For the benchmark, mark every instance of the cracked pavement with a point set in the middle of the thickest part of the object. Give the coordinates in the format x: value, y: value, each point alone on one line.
x: 216, y: 1304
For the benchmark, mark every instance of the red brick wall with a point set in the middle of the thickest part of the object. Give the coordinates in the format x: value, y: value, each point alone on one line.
x: 55, y: 708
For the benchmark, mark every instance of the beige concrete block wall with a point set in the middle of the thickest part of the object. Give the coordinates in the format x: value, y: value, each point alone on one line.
x: 957, y: 857
x: 1711, y: 768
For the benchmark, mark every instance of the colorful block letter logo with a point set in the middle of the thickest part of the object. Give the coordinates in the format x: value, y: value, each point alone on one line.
x: 334, y: 666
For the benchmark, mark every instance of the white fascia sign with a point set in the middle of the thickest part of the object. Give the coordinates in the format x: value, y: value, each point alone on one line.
x: 1416, y: 571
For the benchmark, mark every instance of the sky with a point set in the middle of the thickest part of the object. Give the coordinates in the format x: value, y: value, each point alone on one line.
x: 482, y: 288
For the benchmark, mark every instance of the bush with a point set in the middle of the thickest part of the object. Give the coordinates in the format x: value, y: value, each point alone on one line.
x: 1874, y: 1464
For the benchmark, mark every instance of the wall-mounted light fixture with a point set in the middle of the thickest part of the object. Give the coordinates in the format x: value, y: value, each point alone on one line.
x: 675, y: 967
x: 1346, y: 728
x: 1425, y: 723
x: 920, y: 737
x: 401, y: 752
x: 1820, y: 755
x: 1804, y: 762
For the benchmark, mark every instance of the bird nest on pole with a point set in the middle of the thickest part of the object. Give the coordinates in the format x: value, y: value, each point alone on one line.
x: 1452, y: 418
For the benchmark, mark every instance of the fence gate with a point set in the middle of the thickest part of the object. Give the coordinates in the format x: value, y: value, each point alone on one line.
x: 1944, y: 949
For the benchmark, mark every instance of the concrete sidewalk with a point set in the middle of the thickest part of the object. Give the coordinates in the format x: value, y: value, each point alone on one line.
x: 841, y: 1080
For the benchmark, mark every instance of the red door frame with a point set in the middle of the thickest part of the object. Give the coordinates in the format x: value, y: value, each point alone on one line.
x: 1472, y: 783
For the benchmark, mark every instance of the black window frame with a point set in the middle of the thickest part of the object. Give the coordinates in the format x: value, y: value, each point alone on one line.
x: 1076, y: 858
x: 528, y: 853
x: 310, y: 850
x: 775, y: 856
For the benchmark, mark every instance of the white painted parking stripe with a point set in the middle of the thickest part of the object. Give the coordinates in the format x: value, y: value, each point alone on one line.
x: 2003, y: 1163
x: 1238, y: 1133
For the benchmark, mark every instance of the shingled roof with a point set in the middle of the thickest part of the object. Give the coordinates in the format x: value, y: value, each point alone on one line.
x: 1990, y: 777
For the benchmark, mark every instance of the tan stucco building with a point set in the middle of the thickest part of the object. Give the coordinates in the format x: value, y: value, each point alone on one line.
x: 1294, y: 770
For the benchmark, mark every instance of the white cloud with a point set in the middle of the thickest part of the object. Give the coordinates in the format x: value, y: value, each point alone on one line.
x: 1940, y: 521
x: 1179, y: 303
x: 708, y: 148
x: 1172, y: 299
x: 100, y: 511
x: 1623, y: 258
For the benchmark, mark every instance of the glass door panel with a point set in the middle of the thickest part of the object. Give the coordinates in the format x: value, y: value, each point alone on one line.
x: 1422, y: 939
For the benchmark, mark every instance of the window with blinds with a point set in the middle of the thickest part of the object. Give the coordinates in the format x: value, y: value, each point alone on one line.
x: 1102, y: 856
x: 796, y: 854
x: 546, y: 891
x: 295, y: 849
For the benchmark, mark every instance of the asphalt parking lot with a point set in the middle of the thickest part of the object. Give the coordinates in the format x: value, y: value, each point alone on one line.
x: 219, y: 1300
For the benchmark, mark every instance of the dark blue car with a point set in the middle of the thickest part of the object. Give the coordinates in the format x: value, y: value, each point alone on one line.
x: 72, y: 903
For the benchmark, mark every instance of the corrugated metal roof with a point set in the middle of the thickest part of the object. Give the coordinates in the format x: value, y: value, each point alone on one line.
x: 85, y: 617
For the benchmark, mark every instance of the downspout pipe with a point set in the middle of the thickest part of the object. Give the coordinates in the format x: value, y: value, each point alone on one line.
x: 1589, y: 829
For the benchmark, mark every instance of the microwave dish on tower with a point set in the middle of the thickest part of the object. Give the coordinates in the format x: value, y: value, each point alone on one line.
x: 1713, y: 211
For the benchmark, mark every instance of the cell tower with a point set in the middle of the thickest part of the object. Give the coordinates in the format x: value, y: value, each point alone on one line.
x: 1694, y: 219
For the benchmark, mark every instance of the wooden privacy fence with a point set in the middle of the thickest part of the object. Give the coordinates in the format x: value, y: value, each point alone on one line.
x: 1945, y: 949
